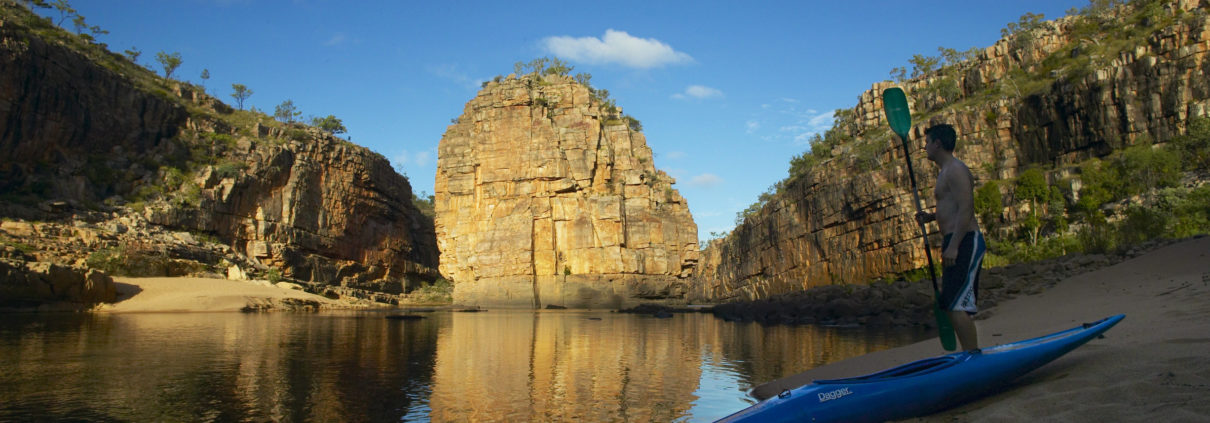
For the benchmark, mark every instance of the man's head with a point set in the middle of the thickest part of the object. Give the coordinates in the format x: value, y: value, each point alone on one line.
x: 943, y: 134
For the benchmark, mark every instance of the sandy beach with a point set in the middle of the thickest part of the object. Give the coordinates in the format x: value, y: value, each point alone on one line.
x: 208, y: 295
x: 1154, y: 366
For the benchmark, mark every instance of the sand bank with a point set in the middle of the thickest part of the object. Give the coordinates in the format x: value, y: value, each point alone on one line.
x: 1154, y: 366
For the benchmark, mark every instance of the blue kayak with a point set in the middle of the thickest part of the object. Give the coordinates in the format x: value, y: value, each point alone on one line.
x: 922, y: 387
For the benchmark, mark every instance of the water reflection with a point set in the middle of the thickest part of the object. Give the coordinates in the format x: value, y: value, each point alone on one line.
x: 494, y: 366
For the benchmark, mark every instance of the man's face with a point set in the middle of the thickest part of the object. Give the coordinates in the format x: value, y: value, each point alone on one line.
x: 931, y: 147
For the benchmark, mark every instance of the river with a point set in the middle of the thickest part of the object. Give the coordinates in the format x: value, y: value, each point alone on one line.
x: 508, y: 366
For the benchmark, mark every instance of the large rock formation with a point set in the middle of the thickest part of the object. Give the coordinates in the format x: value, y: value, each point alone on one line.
x: 30, y: 285
x: 85, y: 129
x: 544, y: 198
x: 321, y: 209
x: 849, y: 219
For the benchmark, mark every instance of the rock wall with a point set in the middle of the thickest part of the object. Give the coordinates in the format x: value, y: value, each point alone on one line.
x: 320, y: 209
x: 843, y: 224
x: 61, y: 113
x: 28, y: 285
x: 85, y: 129
x: 542, y: 198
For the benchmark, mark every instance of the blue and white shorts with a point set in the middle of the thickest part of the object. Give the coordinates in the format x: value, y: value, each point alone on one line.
x: 960, y: 282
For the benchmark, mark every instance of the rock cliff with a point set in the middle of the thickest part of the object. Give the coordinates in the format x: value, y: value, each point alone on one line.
x: 1061, y: 96
x: 545, y: 197
x: 86, y: 130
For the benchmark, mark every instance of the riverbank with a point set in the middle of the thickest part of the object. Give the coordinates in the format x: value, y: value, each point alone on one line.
x: 190, y: 294
x: 1153, y: 365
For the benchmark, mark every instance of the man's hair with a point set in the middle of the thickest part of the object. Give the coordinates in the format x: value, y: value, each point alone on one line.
x: 945, y: 133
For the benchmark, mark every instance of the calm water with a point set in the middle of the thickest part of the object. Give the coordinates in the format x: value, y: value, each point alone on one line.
x: 357, y: 366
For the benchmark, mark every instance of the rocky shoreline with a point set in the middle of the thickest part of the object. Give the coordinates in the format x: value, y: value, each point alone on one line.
x: 904, y: 303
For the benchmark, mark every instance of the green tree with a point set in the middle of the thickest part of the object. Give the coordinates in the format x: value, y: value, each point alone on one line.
x: 205, y: 76
x: 899, y: 74
x: 1022, y: 31
x: 169, y: 62
x: 949, y: 56
x: 1194, y: 146
x: 1099, y: 184
x: 329, y: 123
x: 1144, y: 167
x: 31, y: 4
x: 286, y: 112
x: 133, y: 54
x: 634, y: 124
x: 65, y: 10
x: 241, y: 93
x: 558, y: 67
x: 1032, y: 187
x: 922, y: 64
x: 988, y: 202
x: 584, y: 79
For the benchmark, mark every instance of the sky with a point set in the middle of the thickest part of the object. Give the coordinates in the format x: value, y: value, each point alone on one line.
x: 727, y: 91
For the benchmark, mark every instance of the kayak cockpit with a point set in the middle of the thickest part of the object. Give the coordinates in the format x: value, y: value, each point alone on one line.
x: 915, y: 368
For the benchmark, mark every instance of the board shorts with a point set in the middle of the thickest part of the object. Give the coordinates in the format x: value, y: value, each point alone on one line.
x: 960, y: 282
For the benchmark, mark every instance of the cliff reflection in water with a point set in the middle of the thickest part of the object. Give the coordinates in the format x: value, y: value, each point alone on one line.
x: 565, y: 367
x: 494, y: 366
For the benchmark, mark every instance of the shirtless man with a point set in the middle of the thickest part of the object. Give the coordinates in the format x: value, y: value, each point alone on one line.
x: 963, y: 245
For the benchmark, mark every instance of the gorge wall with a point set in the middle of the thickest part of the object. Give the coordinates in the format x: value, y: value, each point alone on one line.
x: 544, y: 197
x: 849, y: 219
x: 99, y: 137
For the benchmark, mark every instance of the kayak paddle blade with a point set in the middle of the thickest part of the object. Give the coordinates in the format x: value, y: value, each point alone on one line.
x: 945, y: 328
x: 894, y: 103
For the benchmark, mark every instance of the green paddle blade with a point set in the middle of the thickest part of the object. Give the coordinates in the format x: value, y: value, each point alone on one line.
x: 945, y: 329
x: 894, y: 101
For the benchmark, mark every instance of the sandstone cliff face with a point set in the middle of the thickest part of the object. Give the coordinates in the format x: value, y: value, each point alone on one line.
x: 85, y: 129
x: 62, y: 114
x: 320, y: 209
x: 840, y: 224
x: 542, y: 198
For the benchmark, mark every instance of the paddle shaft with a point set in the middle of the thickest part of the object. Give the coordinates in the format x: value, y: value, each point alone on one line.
x: 928, y: 253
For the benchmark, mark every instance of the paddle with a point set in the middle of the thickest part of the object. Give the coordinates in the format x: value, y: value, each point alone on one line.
x: 894, y: 102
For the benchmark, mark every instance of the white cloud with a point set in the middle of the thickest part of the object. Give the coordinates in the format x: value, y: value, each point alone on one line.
x: 616, y: 47
x: 820, y: 121
x: 699, y: 92
x: 753, y: 126
x: 705, y: 180
x: 406, y: 160
x: 338, y: 38
x: 674, y: 155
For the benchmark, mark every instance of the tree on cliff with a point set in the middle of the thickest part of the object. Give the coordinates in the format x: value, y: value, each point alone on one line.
x: 31, y: 4
x: 205, y: 76
x: 65, y: 10
x: 133, y: 54
x: 286, y: 112
x: 329, y: 123
x: 543, y: 66
x: 241, y: 93
x: 169, y: 62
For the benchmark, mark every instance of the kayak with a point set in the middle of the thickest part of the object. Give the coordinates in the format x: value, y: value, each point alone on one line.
x: 921, y: 387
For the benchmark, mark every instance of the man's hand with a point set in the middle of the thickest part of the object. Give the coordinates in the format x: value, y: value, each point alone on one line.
x: 949, y: 257
x: 925, y: 217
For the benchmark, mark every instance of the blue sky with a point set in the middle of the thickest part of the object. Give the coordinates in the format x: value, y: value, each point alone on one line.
x: 727, y: 92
